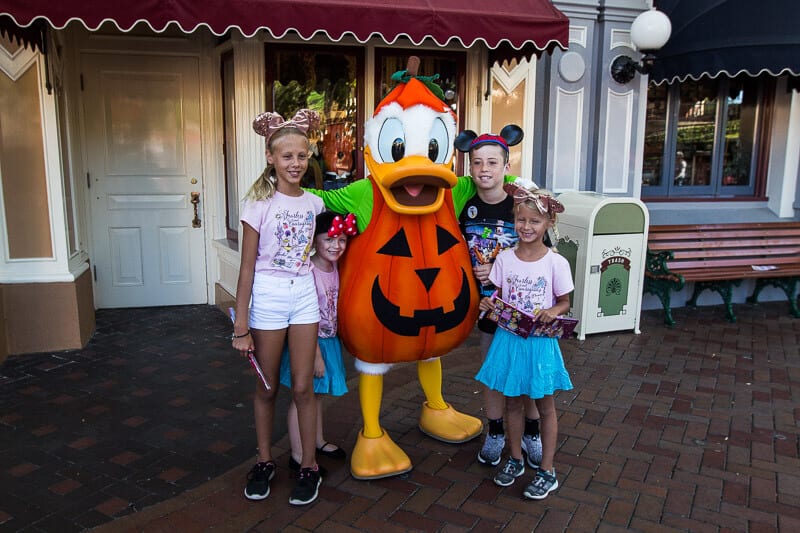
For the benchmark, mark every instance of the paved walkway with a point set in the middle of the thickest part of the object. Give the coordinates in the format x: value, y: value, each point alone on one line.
x: 694, y: 428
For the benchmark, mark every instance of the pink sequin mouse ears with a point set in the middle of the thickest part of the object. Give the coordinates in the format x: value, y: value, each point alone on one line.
x: 546, y: 204
x: 266, y: 124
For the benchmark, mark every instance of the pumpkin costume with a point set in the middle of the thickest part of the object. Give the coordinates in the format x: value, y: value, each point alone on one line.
x: 406, y: 290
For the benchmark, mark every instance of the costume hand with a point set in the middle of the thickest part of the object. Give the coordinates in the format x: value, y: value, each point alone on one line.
x: 481, y: 273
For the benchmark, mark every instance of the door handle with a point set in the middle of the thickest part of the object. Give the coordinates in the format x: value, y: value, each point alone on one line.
x: 195, y: 200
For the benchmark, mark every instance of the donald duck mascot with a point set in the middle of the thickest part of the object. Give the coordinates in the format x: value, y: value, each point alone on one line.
x: 406, y: 287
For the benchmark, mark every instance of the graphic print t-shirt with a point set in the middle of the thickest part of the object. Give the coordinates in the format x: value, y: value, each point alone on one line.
x: 488, y: 230
x: 327, y: 294
x: 532, y: 285
x: 285, y: 226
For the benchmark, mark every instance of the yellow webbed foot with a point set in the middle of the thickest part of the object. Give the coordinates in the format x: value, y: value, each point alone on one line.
x: 375, y: 458
x: 449, y: 425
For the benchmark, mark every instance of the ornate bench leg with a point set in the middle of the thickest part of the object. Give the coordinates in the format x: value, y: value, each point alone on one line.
x: 699, y: 287
x: 760, y: 284
x: 787, y: 285
x: 662, y: 290
x: 723, y: 288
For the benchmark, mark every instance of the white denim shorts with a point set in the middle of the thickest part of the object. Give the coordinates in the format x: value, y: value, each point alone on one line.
x: 279, y: 302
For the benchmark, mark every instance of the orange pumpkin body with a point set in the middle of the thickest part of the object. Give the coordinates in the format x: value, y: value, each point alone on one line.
x: 407, y: 281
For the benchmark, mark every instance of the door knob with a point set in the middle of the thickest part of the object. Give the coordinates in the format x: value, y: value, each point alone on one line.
x: 195, y: 200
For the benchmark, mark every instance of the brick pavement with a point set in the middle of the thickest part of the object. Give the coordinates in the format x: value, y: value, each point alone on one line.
x: 694, y: 428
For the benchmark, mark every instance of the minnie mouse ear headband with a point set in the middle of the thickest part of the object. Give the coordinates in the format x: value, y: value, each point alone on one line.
x: 266, y: 124
x: 545, y: 203
x: 336, y: 225
x: 509, y: 136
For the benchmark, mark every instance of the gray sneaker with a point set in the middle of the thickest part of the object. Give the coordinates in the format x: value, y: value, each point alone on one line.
x: 509, y: 473
x: 543, y: 484
x: 532, y: 450
x: 492, y: 449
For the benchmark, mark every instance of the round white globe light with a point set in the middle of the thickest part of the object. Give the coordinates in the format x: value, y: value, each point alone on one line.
x: 650, y: 30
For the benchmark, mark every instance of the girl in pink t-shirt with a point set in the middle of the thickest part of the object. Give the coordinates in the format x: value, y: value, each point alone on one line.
x: 275, y: 270
x: 330, y: 241
x: 536, y: 280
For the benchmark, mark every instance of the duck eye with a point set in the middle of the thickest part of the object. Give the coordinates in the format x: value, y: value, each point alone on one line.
x: 433, y: 149
x: 438, y: 143
x: 398, y: 149
x: 391, y: 141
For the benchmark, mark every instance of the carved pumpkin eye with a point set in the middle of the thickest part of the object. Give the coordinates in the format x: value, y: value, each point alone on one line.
x: 397, y: 245
x: 444, y: 240
x: 439, y: 142
x: 391, y: 141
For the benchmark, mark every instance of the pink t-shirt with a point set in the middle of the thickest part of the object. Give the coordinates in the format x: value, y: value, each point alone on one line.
x: 285, y: 226
x: 530, y: 286
x: 328, y: 294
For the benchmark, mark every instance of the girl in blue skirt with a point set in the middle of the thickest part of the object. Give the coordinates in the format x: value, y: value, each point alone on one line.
x: 330, y: 241
x: 534, y: 279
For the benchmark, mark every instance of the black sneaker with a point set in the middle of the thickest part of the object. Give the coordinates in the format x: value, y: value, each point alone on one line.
x: 294, y: 466
x: 258, y: 481
x: 307, y: 488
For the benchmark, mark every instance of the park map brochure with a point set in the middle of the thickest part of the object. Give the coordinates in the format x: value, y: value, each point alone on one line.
x: 523, y: 324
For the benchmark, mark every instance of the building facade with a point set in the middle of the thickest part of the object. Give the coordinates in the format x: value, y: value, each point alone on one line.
x: 126, y: 145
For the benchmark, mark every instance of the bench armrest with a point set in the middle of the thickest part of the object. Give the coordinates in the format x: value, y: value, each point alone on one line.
x: 656, y: 267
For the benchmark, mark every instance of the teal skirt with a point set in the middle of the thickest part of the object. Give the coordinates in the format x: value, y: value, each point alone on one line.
x: 530, y: 367
x: 334, y: 382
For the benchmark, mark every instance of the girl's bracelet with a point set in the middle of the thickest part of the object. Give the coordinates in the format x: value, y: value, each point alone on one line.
x: 235, y: 336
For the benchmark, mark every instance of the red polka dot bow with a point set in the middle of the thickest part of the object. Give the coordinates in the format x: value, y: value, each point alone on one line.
x: 346, y: 225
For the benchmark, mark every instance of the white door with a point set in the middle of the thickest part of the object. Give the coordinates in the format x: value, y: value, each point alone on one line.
x: 143, y: 147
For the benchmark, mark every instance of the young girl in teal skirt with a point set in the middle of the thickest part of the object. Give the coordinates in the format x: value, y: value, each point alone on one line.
x: 536, y: 280
x: 330, y: 241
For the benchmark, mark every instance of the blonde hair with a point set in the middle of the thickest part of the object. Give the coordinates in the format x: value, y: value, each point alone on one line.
x: 551, y: 215
x: 264, y: 187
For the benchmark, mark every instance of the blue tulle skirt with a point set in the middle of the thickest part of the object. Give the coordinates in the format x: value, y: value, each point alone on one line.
x: 334, y: 382
x: 530, y: 367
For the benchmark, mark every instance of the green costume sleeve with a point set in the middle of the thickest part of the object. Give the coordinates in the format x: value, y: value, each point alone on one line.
x: 465, y: 189
x: 356, y: 198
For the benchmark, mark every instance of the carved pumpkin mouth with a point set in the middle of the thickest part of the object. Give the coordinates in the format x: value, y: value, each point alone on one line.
x: 389, y: 314
x: 417, y: 190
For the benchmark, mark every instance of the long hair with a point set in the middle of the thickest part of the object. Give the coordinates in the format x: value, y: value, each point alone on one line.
x: 263, y: 188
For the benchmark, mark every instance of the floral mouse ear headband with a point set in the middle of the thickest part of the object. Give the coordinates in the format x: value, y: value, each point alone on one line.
x: 546, y: 204
x: 343, y: 225
x: 266, y: 124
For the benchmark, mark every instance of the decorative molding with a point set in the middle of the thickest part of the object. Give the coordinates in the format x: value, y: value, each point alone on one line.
x: 620, y: 38
x: 617, y: 143
x: 509, y: 80
x: 571, y: 67
x: 16, y: 64
x: 578, y: 35
x: 567, y: 139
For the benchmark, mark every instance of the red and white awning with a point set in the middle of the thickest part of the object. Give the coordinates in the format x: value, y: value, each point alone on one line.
x: 507, y: 26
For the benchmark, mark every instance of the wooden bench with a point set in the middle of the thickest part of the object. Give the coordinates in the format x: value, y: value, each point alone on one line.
x: 719, y: 257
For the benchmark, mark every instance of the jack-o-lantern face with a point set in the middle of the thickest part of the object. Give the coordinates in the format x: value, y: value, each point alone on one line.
x: 408, y: 281
x: 388, y: 312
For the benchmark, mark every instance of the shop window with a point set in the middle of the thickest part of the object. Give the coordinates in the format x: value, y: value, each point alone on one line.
x: 327, y: 80
x: 451, y: 68
x: 702, y: 138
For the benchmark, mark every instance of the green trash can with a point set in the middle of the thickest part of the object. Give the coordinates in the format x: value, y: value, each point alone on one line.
x: 604, y: 238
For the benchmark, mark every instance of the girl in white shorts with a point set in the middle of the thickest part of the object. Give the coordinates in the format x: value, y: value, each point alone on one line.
x: 278, y: 232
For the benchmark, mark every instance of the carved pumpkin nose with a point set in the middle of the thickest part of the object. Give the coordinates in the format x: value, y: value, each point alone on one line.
x: 427, y: 276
